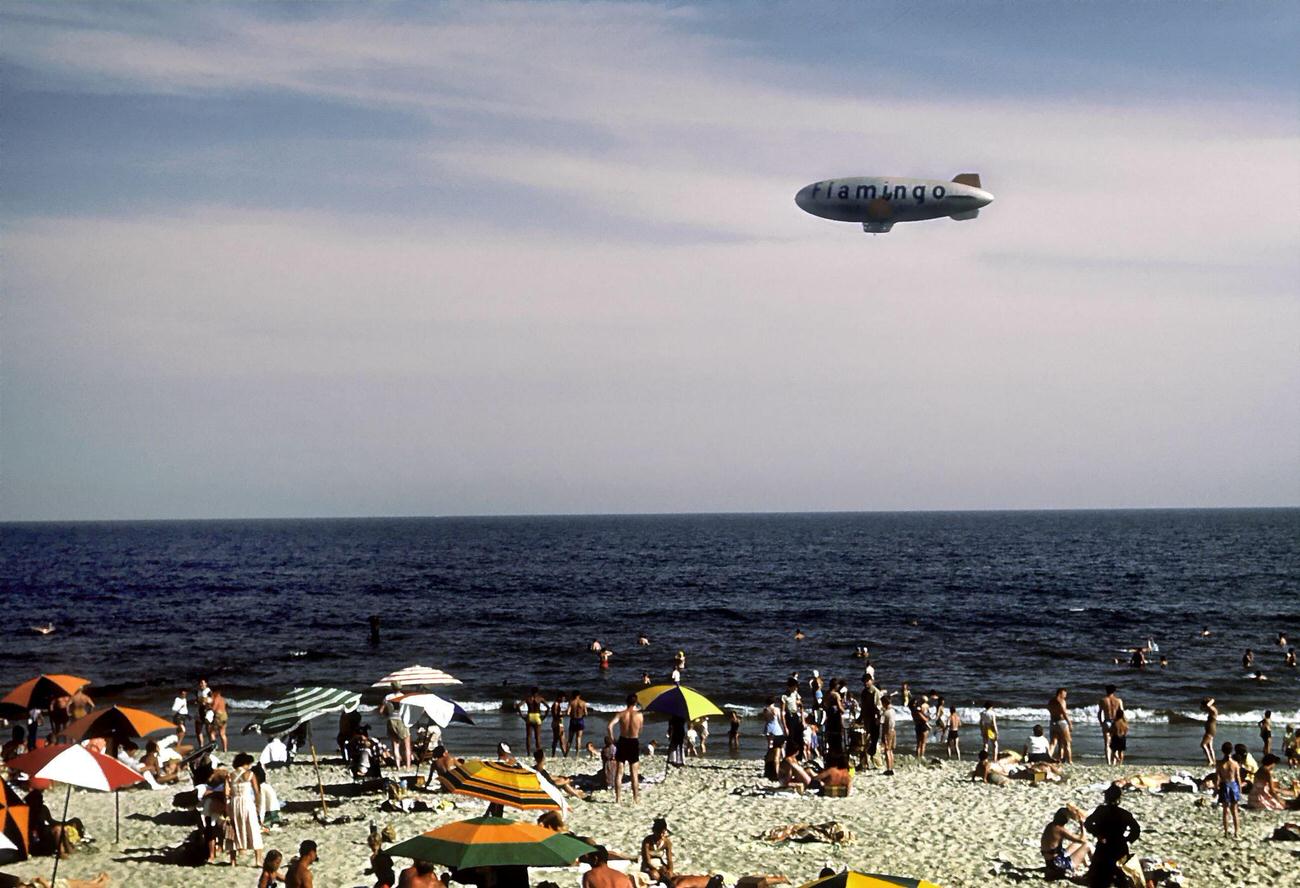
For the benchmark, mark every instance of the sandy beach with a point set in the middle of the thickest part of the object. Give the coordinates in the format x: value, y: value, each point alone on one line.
x: 927, y: 821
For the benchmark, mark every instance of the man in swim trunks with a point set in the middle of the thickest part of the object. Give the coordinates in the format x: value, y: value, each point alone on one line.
x: 627, y: 747
x: 220, y: 718
x: 80, y: 705
x: 577, y: 722
x: 534, y: 705
x: 1108, y: 708
x: 1060, y: 748
x: 1227, y: 785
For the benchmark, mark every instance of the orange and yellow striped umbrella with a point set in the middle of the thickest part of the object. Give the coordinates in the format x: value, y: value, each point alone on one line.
x: 492, y: 841
x: 118, y: 723
x: 503, y: 783
x: 850, y: 879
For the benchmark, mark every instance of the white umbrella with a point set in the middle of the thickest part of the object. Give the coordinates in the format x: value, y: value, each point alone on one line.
x: 416, y: 676
x: 441, y: 712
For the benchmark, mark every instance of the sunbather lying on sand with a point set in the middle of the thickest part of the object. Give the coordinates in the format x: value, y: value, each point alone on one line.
x: 987, y: 771
x: 99, y: 881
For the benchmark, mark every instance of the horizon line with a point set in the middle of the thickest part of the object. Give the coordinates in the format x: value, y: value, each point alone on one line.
x: 683, y: 514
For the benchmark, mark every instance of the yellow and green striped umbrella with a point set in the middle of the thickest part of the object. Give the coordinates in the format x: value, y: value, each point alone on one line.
x: 503, y: 783
x: 868, y: 880
x: 677, y: 700
x: 492, y: 841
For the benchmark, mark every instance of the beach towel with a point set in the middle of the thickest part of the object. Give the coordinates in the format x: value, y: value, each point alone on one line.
x: 831, y: 832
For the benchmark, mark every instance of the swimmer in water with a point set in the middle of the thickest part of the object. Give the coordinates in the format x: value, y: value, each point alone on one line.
x: 1290, y: 657
x: 645, y: 679
x: 1281, y: 639
x: 605, y: 656
x: 1258, y: 676
x: 1164, y: 661
x: 43, y: 629
x: 595, y: 646
x: 798, y: 635
x: 642, y: 640
x: 1205, y: 633
x: 1248, y: 659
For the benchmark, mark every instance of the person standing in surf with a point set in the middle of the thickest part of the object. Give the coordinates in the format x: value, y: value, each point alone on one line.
x: 1060, y: 748
x: 1108, y: 709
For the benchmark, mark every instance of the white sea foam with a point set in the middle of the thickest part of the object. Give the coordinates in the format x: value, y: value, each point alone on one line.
x: 248, y: 704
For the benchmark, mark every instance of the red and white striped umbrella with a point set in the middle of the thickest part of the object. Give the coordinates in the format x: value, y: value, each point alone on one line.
x: 416, y: 676
x: 75, y: 765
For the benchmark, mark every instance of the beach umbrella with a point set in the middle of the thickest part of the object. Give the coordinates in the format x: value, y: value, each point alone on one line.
x: 301, y: 705
x: 504, y: 784
x: 492, y: 841
x: 416, y: 677
x: 441, y: 712
x: 74, y: 765
x: 13, y: 821
x: 868, y: 880
x: 677, y: 700
x: 118, y: 724
x: 304, y: 704
x: 36, y: 693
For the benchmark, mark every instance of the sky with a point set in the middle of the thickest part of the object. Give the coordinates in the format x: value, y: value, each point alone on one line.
x: 345, y: 259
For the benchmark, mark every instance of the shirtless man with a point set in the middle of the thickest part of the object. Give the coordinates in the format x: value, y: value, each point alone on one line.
x: 419, y: 875
x: 577, y: 722
x: 1108, y: 708
x: 627, y: 747
x: 602, y: 875
x: 299, y: 873
x: 80, y: 705
x: 220, y: 718
x: 1060, y: 748
x: 533, y: 706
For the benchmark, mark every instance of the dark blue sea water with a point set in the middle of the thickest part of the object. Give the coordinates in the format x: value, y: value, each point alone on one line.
x: 1002, y: 606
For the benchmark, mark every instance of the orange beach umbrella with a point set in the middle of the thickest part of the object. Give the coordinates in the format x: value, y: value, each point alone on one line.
x: 117, y: 723
x: 13, y: 819
x: 36, y: 693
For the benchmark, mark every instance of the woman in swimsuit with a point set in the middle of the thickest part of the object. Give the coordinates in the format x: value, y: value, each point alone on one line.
x: 657, y: 853
x: 1211, y: 724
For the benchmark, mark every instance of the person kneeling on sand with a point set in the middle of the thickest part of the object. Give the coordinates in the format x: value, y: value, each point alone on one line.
x: 1065, y: 853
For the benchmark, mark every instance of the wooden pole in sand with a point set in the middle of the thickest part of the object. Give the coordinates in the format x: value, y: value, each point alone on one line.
x: 117, y: 817
x: 320, y: 783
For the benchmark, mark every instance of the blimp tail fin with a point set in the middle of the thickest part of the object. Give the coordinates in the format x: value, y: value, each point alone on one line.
x: 971, y: 179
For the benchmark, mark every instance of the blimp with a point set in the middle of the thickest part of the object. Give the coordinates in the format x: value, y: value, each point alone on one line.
x: 878, y: 203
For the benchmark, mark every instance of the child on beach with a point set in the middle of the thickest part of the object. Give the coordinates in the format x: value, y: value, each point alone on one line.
x: 1227, y: 786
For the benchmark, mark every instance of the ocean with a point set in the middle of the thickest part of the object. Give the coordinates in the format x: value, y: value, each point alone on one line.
x: 997, y: 606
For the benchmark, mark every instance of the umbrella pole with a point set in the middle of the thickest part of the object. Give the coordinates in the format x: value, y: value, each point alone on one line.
x: 117, y: 817
x: 58, y: 850
x: 320, y: 783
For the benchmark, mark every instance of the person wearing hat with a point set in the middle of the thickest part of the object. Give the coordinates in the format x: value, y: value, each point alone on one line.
x: 299, y: 874
x: 657, y: 852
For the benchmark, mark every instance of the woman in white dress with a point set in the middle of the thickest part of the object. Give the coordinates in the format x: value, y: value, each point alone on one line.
x: 244, y: 823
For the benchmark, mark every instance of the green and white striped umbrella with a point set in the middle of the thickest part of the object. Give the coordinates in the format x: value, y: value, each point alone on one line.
x: 304, y: 704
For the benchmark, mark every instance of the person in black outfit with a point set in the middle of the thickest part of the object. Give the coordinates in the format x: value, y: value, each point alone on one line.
x: 1115, y: 829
